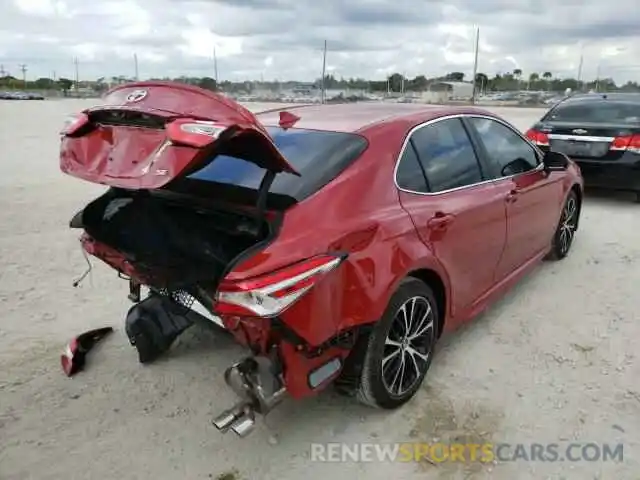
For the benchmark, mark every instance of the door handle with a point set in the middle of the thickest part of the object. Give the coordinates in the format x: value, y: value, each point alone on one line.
x: 441, y: 220
x: 512, y: 196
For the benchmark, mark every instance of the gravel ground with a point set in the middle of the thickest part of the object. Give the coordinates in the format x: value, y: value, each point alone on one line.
x: 555, y: 361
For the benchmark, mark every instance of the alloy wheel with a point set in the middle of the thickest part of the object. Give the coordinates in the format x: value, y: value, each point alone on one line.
x: 408, y: 346
x: 568, y: 225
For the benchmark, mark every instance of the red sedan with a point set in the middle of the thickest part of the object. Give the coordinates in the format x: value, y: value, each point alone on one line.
x: 337, y: 243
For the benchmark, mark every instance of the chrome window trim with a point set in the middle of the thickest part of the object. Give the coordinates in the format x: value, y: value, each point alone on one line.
x: 582, y: 138
x: 405, y: 142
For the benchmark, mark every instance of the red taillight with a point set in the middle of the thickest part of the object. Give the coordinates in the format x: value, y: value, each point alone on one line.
x: 74, y: 123
x: 538, y: 137
x: 269, y: 295
x: 67, y: 358
x: 628, y: 143
x: 193, y: 133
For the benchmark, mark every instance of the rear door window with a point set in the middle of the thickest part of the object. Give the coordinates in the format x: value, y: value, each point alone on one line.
x: 410, y: 175
x: 447, y: 155
x: 318, y: 155
x: 602, y: 111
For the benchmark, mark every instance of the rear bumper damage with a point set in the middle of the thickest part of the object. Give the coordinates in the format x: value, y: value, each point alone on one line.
x: 280, y: 366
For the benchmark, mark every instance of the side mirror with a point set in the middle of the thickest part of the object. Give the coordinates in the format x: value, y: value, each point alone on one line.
x: 555, y: 161
x: 514, y: 167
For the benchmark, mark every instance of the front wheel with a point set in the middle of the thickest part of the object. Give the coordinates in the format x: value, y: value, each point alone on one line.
x: 400, y: 348
x: 565, y: 233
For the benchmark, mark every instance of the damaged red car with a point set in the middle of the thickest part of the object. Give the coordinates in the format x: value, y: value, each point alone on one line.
x: 337, y: 243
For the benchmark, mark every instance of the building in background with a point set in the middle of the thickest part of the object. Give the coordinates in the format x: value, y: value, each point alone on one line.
x: 444, y: 90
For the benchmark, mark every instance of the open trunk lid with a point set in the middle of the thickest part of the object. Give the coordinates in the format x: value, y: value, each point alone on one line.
x: 146, y: 134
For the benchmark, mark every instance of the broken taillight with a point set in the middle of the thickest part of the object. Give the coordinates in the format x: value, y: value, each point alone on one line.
x: 627, y: 143
x: 268, y: 295
x: 74, y: 123
x: 537, y: 137
x: 193, y: 133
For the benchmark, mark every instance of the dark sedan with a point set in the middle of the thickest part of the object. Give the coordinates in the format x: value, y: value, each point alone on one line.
x: 601, y: 132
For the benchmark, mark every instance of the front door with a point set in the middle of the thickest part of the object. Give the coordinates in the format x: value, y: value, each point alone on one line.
x: 531, y: 194
x: 459, y: 215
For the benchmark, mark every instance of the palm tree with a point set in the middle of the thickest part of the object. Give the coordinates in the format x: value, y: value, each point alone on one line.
x: 517, y: 73
x: 547, y: 76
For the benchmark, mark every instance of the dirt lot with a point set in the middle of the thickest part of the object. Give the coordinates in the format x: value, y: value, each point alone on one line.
x: 555, y: 361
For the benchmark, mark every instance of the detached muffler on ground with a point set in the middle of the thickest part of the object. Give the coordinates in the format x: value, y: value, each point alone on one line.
x: 256, y: 381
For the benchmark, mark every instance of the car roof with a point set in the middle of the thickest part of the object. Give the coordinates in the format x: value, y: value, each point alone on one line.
x: 358, y: 117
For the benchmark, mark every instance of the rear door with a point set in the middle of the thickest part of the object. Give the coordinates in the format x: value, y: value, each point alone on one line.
x: 458, y: 214
x: 531, y: 195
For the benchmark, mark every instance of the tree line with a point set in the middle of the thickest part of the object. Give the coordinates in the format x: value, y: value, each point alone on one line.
x: 396, y: 82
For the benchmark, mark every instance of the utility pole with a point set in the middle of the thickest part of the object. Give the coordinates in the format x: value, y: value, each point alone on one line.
x: 3, y: 72
x: 580, y: 67
x: 475, y: 66
x: 23, y: 69
x: 75, y: 62
x: 135, y: 64
x: 215, y: 65
x: 598, y: 78
x: 324, y: 69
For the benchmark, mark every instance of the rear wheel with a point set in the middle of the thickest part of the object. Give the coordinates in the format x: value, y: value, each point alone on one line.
x: 400, y: 347
x: 565, y: 233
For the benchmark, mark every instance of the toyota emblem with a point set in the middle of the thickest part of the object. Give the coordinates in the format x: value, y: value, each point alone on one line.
x: 136, y: 96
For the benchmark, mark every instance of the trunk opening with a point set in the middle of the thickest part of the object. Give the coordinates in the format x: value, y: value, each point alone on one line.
x: 174, y: 242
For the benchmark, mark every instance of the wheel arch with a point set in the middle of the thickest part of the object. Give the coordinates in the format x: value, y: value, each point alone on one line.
x: 575, y: 188
x: 432, y: 279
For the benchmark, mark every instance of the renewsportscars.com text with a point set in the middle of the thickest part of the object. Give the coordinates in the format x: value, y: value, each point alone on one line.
x: 467, y: 452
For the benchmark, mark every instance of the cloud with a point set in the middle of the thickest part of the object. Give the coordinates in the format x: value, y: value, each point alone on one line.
x: 283, y: 39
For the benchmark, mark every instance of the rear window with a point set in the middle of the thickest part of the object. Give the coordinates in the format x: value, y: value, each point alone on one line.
x: 319, y: 156
x: 596, y: 112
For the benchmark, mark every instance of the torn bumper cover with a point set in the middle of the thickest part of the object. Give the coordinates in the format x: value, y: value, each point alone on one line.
x: 153, y: 324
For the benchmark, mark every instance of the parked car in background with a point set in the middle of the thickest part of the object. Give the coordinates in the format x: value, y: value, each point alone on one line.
x: 601, y: 133
x: 336, y: 242
x: 13, y: 95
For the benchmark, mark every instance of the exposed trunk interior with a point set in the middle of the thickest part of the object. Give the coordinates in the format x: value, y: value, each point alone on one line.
x: 174, y: 241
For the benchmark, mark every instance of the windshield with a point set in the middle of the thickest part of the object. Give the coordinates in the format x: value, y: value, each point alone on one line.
x: 319, y: 156
x: 596, y: 112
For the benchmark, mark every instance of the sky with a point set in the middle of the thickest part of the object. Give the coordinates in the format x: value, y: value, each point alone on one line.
x: 283, y: 39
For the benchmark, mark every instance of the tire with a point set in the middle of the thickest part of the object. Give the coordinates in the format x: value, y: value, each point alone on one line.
x: 565, y: 232
x: 378, y: 382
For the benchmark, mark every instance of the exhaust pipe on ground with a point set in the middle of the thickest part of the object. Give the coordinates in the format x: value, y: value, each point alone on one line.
x: 247, y: 379
x: 240, y: 419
